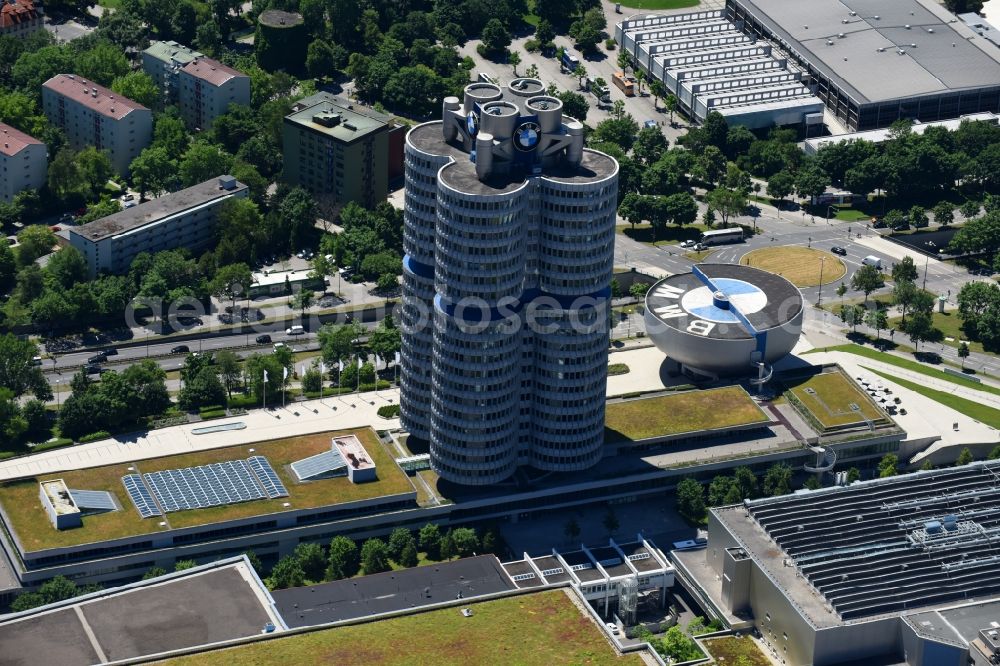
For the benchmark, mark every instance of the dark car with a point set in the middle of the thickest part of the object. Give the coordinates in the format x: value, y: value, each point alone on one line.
x: 263, y: 339
x: 180, y: 349
x: 92, y: 369
x: 110, y: 351
x: 836, y: 249
x: 99, y: 357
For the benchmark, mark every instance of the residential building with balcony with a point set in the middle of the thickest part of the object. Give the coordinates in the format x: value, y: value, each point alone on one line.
x: 23, y: 162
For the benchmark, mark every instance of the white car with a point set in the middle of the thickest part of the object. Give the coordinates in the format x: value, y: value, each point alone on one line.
x: 612, y: 627
x: 687, y: 243
x: 295, y: 330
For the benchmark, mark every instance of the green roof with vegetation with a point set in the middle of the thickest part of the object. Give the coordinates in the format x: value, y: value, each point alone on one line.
x: 541, y: 628
x: 831, y: 400
x: 679, y: 413
x: 29, y: 522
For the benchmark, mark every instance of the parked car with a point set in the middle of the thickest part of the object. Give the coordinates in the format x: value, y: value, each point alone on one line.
x: 279, y: 345
x: 263, y: 339
x: 699, y: 247
x: 612, y: 627
x: 180, y: 349
x: 836, y: 249
x: 687, y: 243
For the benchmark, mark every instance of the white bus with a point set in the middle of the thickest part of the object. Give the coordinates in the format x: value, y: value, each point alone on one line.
x: 721, y: 236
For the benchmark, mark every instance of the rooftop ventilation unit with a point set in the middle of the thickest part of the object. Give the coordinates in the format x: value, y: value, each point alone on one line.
x: 327, y: 119
x: 351, y: 127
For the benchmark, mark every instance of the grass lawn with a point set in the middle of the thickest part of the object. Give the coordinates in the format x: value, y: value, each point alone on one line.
x: 700, y: 256
x: 659, y: 4
x: 681, y: 412
x: 801, y: 265
x: 950, y: 325
x: 828, y: 398
x: 910, y: 365
x: 541, y: 628
x: 832, y: 302
x: 970, y: 408
x: 728, y: 649
x: 618, y: 369
x: 20, y: 498
x: 852, y: 215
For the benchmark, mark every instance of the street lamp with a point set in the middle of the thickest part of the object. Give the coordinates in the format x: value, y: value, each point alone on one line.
x: 819, y: 299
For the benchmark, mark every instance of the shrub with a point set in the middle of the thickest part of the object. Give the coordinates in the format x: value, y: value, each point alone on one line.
x: 609, y: 44
x: 618, y: 369
x: 532, y: 45
x: 52, y: 444
x: 95, y: 436
x: 207, y: 414
x: 388, y: 411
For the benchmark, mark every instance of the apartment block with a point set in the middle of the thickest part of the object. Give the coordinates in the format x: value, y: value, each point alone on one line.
x: 19, y: 18
x: 163, y: 62
x: 180, y: 219
x: 207, y: 88
x: 23, y: 162
x: 337, y: 150
x: 92, y: 115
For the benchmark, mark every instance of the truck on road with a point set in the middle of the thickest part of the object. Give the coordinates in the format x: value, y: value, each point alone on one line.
x: 599, y: 88
x: 569, y: 61
x: 624, y: 83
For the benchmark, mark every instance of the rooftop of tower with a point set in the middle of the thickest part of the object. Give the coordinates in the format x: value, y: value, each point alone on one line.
x: 551, y: 149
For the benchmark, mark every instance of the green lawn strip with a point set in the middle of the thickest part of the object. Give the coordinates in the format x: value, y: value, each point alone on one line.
x: 830, y: 400
x: 541, y: 628
x: 682, y: 412
x: 970, y: 408
x: 950, y: 324
x: 728, y: 649
x: 909, y: 365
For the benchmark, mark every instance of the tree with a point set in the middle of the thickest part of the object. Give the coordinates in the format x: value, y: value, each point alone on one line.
x: 638, y: 290
x: 202, y: 390
x: 920, y: 328
x: 746, y: 483
x: 620, y: 130
x: 944, y: 213
x: 465, y: 541
x: 572, y: 530
x: 588, y: 31
x: 867, y: 279
x: 877, y: 319
x: 650, y: 144
x: 852, y: 315
x: 690, y: 500
x: 321, y: 60
x: 672, y: 104
x: 886, y: 466
x: 342, y: 559
x: 398, y: 540
x: 137, y: 86
x: 154, y: 572
x: 203, y: 161
x: 778, y: 480
x: 904, y: 269
x: 811, y: 181
x: 963, y: 352
x: 780, y: 185
x: 575, y: 105
x: 430, y: 540
x: 184, y: 565
x: 918, y: 217
x: 153, y: 171
x: 286, y: 573
x: 34, y: 241
x: 228, y: 365
x: 495, y: 37
x: 726, y: 202
x: 337, y: 341
x: 67, y: 267
x: 610, y: 521
x: 964, y: 457
x: 299, y: 211
x: 385, y: 340
x: 374, y: 556
x: 312, y: 560
x: 719, y: 489
x: 103, y: 63
x: 853, y: 474
x: 514, y: 59
x: 18, y: 374
x: 904, y: 293
x: 710, y: 165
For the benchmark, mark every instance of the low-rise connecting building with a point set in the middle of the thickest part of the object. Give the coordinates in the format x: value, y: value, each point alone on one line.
x: 180, y: 219
x: 23, y: 162
x: 92, y: 115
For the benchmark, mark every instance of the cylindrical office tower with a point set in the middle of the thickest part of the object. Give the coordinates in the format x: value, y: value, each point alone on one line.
x: 416, y: 313
x: 515, y: 264
x: 575, y: 255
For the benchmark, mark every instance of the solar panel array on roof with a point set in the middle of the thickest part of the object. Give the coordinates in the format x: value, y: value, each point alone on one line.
x: 93, y: 500
x: 326, y: 464
x: 893, y: 545
x: 139, y: 493
x: 267, y: 477
x: 220, y: 483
